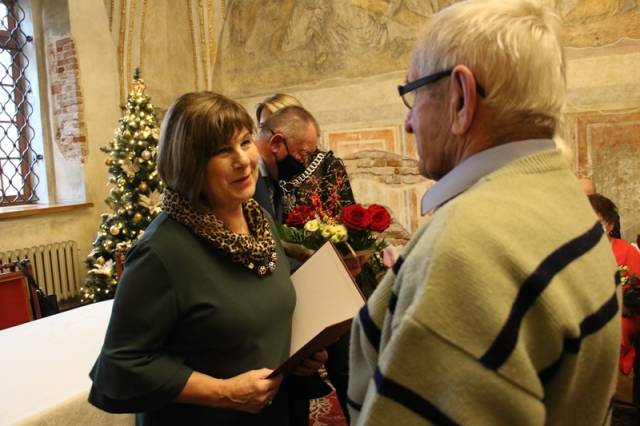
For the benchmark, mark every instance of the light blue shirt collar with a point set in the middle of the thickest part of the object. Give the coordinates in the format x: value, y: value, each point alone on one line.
x: 467, y: 173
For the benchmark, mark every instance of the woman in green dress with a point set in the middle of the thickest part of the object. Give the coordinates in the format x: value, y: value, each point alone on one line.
x: 203, y: 310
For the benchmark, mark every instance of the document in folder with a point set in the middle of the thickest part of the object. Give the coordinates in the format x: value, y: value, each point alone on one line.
x: 327, y: 299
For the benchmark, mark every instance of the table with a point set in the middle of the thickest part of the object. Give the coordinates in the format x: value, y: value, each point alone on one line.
x: 44, y: 369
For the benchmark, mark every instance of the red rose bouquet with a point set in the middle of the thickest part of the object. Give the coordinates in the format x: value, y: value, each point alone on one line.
x: 354, y: 231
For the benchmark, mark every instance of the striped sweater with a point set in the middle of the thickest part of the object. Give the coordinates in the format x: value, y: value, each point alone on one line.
x: 502, y: 310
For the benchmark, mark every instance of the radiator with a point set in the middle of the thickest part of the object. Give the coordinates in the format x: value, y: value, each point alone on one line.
x: 55, y: 267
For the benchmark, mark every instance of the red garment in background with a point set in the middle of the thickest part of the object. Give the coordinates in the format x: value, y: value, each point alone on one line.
x: 627, y: 255
x: 630, y: 327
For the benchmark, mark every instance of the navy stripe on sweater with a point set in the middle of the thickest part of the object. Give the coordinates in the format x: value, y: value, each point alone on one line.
x: 393, y: 301
x: 370, y: 328
x: 397, y: 265
x: 590, y: 325
x: 618, y: 278
x: 533, y: 286
x: 410, y: 400
x: 351, y: 403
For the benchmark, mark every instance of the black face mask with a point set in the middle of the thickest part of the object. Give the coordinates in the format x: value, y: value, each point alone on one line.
x: 289, y: 167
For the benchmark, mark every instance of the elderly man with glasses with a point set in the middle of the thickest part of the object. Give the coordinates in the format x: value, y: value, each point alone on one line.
x: 502, y: 309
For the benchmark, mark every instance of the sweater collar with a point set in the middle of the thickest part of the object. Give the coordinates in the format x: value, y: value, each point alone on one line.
x: 467, y: 173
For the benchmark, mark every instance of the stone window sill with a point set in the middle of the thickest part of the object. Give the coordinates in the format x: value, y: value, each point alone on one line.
x: 14, y: 212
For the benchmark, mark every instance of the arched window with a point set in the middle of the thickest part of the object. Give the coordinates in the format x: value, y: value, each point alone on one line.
x: 18, y: 159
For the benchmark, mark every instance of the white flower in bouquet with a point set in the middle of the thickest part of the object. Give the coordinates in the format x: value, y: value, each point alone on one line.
x: 312, y: 225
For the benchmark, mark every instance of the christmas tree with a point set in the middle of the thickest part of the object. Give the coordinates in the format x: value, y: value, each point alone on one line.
x: 135, y: 195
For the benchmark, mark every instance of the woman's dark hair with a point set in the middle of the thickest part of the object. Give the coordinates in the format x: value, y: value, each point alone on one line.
x: 609, y: 212
x: 193, y: 129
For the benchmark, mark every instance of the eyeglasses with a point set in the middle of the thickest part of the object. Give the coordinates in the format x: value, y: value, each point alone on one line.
x: 408, y: 91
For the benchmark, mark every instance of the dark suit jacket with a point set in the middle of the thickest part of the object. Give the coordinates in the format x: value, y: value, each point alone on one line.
x: 268, y: 196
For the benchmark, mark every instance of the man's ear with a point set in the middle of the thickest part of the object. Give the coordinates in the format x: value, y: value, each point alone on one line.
x: 463, y: 99
x: 275, y: 141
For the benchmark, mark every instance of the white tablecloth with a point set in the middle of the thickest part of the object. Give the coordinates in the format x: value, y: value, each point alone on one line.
x: 44, y: 367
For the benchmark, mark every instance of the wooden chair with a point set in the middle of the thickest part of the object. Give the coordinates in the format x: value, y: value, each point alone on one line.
x: 18, y: 300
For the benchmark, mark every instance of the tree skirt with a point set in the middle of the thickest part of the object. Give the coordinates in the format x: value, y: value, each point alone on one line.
x: 326, y: 411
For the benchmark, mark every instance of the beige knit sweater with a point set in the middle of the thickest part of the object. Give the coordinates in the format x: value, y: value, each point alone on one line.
x: 502, y: 311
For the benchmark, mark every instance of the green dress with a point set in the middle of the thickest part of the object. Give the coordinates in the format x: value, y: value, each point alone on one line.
x: 181, y: 306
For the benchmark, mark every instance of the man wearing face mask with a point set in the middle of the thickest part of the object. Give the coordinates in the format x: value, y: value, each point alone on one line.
x: 294, y: 170
x: 288, y: 145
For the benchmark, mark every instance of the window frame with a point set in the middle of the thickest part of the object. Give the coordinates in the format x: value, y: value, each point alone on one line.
x: 26, y: 194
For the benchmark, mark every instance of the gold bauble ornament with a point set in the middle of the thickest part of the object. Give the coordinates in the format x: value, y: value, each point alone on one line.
x: 100, y: 261
x: 108, y: 161
x: 146, y: 154
x: 149, y: 107
x: 146, y: 133
x: 126, y: 134
x: 121, y: 181
x: 143, y: 187
x: 137, y: 217
x: 114, y: 230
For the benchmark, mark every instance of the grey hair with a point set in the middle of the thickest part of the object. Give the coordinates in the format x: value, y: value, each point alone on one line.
x: 292, y: 121
x: 513, y: 47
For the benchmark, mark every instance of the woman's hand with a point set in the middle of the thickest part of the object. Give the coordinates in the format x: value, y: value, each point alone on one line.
x: 250, y: 391
x: 312, y: 364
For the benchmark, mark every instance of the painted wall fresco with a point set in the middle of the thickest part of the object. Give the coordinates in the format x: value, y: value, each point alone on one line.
x: 608, y: 151
x: 599, y: 22
x: 293, y: 42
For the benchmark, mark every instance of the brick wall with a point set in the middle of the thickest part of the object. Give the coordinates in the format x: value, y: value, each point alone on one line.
x: 66, y: 98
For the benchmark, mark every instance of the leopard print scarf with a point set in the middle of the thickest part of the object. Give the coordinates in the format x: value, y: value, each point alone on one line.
x: 256, y: 251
